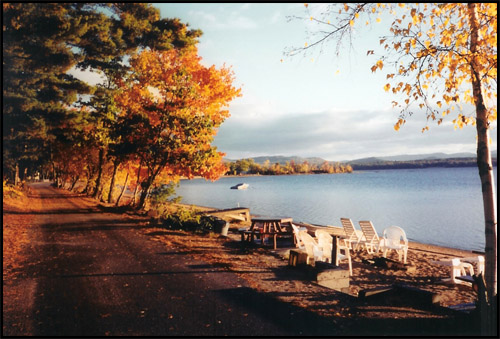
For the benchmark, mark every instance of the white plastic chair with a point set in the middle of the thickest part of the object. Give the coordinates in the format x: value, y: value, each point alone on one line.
x: 394, y: 238
x: 311, y: 246
x: 325, y: 242
x: 372, y: 240
x: 479, y: 260
x: 298, y: 241
x: 353, y: 237
x: 459, y: 269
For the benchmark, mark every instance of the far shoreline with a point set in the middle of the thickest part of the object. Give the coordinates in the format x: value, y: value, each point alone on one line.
x: 382, y: 168
x: 414, y: 245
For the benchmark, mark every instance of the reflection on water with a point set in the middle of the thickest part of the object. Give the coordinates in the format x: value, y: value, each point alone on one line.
x: 441, y: 206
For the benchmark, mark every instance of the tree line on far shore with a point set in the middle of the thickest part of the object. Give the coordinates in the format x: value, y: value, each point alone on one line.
x: 453, y: 162
x: 249, y: 166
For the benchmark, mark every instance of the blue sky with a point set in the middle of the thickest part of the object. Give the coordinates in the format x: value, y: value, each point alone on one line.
x: 307, y: 105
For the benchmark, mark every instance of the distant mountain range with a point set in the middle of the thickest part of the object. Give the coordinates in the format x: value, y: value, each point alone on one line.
x: 398, y: 161
x: 413, y: 157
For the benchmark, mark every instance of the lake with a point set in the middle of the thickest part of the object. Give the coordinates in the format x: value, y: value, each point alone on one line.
x: 439, y: 206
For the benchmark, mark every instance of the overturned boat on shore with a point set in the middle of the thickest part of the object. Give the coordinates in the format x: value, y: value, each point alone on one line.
x: 241, y: 186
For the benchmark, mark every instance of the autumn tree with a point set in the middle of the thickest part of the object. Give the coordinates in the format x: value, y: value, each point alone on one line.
x: 171, y: 107
x: 42, y: 42
x: 36, y: 56
x: 441, y: 60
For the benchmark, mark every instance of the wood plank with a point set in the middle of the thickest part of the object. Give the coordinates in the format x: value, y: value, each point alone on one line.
x: 240, y: 213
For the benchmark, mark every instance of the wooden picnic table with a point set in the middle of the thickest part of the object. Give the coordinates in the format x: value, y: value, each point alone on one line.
x: 265, y: 227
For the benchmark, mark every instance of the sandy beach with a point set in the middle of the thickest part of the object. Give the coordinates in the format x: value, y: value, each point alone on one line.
x: 268, y: 271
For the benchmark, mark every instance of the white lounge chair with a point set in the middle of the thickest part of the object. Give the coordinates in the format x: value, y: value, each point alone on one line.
x: 325, y: 242
x: 298, y: 241
x: 372, y: 240
x: 458, y: 268
x: 353, y: 237
x: 394, y: 238
x: 311, y: 246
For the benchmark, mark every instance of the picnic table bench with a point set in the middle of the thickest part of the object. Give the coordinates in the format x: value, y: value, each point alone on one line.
x: 267, y: 227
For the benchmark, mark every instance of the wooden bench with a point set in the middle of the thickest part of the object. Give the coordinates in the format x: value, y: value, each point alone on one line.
x: 240, y: 213
x: 249, y: 236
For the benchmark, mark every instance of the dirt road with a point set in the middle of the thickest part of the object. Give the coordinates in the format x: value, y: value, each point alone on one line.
x: 90, y: 273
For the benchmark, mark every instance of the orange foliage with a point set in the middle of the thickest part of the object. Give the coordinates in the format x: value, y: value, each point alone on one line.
x: 175, y: 106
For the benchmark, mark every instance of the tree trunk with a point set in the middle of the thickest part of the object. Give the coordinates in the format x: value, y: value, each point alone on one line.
x: 123, y: 190
x: 99, y: 173
x: 145, y: 188
x: 144, y: 193
x: 142, y: 200
x: 132, y: 202
x: 112, y: 184
x: 73, y: 183
x: 16, y: 176
x: 485, y: 167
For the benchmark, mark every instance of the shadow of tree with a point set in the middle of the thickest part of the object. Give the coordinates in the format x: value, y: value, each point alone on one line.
x: 294, y: 318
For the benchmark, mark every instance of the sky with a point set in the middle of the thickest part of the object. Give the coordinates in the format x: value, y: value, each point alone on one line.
x: 314, y: 105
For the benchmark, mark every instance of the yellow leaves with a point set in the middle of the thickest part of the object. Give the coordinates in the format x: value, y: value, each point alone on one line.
x: 432, y: 43
x: 306, y: 5
x: 398, y: 124
x: 305, y: 45
x: 407, y: 89
x: 462, y: 121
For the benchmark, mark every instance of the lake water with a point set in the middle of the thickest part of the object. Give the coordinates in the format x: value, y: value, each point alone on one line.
x: 440, y: 206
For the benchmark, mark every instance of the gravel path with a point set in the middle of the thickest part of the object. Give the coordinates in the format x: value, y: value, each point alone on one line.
x: 90, y: 273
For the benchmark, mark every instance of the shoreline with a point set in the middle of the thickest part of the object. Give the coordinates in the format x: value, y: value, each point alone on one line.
x: 338, y: 230
x: 438, y: 249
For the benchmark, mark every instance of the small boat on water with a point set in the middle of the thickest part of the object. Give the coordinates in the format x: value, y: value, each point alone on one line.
x: 241, y: 186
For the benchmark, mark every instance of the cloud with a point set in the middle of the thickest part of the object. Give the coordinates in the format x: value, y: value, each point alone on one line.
x: 337, y: 135
x: 276, y: 17
x: 223, y: 20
